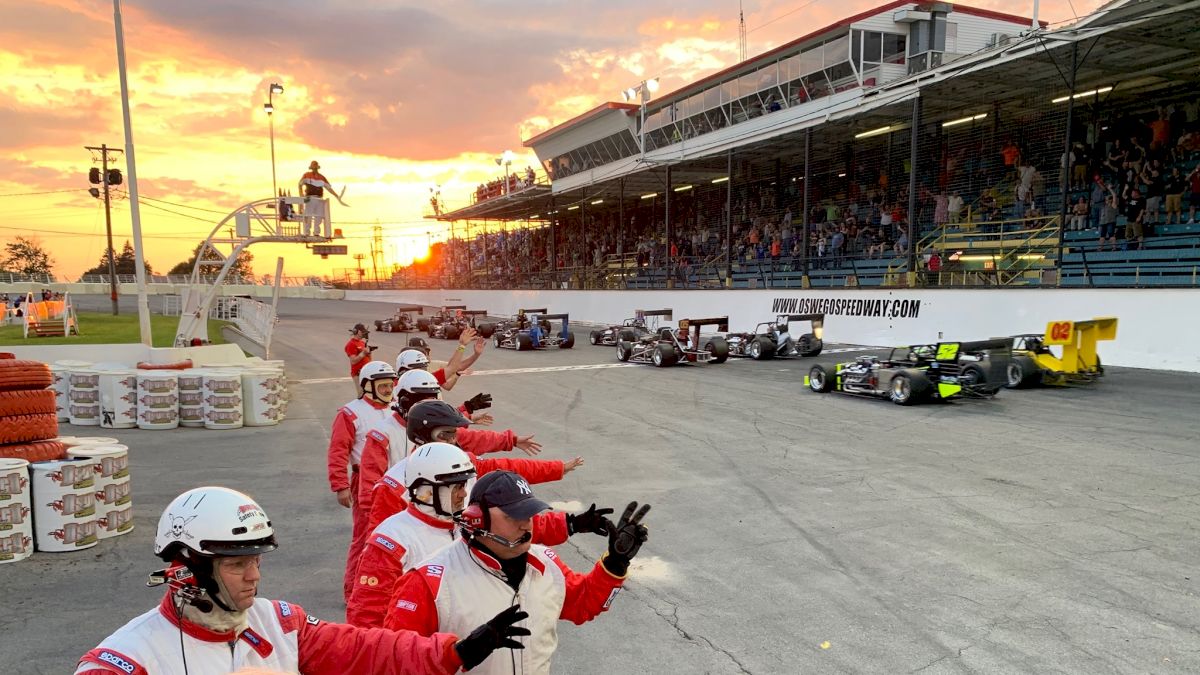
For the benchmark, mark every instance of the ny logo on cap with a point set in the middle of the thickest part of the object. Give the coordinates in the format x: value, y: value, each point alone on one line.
x: 524, y: 487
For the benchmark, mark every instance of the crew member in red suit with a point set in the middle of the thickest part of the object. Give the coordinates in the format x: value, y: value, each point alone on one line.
x: 359, y: 352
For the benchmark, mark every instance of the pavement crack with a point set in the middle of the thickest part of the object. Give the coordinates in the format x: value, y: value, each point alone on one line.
x: 673, y: 620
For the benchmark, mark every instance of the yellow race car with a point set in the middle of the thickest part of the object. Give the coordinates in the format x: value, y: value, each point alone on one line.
x: 1076, y: 360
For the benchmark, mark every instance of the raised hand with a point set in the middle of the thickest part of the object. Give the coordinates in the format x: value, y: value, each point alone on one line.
x: 527, y: 445
x: 592, y: 520
x: 573, y: 464
x: 625, y: 539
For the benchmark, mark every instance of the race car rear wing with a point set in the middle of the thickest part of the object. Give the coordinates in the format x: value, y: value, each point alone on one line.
x: 643, y: 313
x: 693, y: 325
x: 1078, y: 340
x: 419, y: 309
x: 549, y: 317
x: 448, y: 307
x: 474, y: 312
x: 818, y: 321
x: 540, y: 310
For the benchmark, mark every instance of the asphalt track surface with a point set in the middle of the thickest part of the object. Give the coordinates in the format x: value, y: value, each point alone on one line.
x: 1043, y: 531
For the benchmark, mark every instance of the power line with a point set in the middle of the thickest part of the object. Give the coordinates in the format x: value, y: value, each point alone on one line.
x: 45, y: 192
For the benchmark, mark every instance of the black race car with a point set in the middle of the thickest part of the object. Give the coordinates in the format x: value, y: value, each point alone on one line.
x: 445, y: 313
x: 910, y: 375
x: 535, y: 334
x: 630, y: 329
x: 520, y: 320
x: 450, y: 328
x: 774, y: 340
x: 401, y: 321
x: 669, y: 346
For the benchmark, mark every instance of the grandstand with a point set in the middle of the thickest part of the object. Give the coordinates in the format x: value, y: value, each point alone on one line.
x: 917, y: 144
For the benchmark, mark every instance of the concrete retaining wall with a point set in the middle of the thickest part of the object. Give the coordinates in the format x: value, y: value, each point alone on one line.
x: 1158, y: 329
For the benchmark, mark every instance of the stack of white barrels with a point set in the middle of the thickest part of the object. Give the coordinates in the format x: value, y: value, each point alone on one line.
x: 115, y: 396
x: 83, y: 497
x: 16, y: 510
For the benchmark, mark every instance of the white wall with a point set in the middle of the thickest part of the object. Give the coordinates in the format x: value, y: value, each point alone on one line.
x: 1158, y: 329
x: 129, y: 354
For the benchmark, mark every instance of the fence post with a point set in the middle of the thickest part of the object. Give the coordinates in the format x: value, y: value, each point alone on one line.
x: 1064, y: 178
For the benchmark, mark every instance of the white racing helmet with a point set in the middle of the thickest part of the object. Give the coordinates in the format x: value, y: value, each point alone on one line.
x: 209, y: 522
x: 439, y: 467
x: 375, y: 370
x: 411, y: 358
x: 414, y: 386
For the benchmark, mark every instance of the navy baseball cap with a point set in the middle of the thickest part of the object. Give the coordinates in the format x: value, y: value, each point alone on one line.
x: 508, y: 491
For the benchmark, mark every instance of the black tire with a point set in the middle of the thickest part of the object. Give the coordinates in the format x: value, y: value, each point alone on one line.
x: 594, y: 337
x: 624, y: 350
x: 972, y: 377
x: 628, y: 334
x: 719, y: 349
x: 486, y: 329
x: 423, y: 325
x: 452, y: 332
x: 808, y: 345
x: 1023, y: 372
x: 819, y: 380
x: 908, y: 388
x: 1099, y: 367
x: 496, y: 340
x: 760, y: 348
x: 567, y: 342
x: 379, y: 326
x: 664, y: 355
x: 524, y: 342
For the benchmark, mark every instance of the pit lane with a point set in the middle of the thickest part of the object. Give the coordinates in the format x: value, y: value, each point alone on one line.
x: 1042, y: 531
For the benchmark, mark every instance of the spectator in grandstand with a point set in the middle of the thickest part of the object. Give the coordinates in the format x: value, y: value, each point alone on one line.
x: 1160, y: 133
x: 1194, y: 198
x: 941, y: 209
x: 1188, y: 145
x: 1010, y: 153
x: 1152, y: 178
x: 1079, y: 168
x: 1135, y: 155
x: 1173, y: 186
x: 1108, y: 221
x: 1097, y: 198
x: 1116, y: 157
x: 1135, y: 211
x: 954, y: 207
x: 1079, y: 215
x: 901, y: 247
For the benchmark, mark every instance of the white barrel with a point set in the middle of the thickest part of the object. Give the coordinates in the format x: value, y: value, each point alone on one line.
x: 61, y: 386
x: 16, y: 515
x: 114, y: 503
x: 64, y: 504
x: 260, y: 397
x: 83, y: 397
x: 157, y: 399
x: 118, y: 398
x: 72, y: 441
x: 223, y: 408
x: 191, y: 397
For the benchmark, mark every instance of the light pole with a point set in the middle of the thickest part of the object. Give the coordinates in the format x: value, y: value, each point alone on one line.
x: 505, y: 160
x: 269, y: 106
x: 643, y: 90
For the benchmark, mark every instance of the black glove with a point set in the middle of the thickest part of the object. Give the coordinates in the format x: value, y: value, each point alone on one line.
x: 495, y: 634
x: 625, y: 538
x: 478, y: 402
x: 592, y: 520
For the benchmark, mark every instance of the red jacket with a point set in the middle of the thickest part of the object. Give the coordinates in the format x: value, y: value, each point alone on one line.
x: 280, y: 635
x: 349, y: 430
x: 354, y: 346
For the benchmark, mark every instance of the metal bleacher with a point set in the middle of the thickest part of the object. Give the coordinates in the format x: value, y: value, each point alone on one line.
x: 1171, y: 257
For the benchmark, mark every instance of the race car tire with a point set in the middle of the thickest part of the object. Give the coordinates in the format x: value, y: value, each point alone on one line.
x: 719, y: 349
x: 524, y: 342
x: 567, y: 342
x: 760, y: 348
x: 819, y: 380
x: 486, y: 329
x: 594, y: 337
x: 19, y: 374
x: 976, y: 379
x: 422, y: 324
x: 808, y: 345
x: 664, y: 355
x: 452, y: 332
x: 624, y: 350
x: 496, y: 341
x: 628, y: 334
x: 378, y: 326
x: 908, y: 387
x: 1099, y: 367
x: 1023, y: 372
x: 38, y: 451
x: 27, y: 428
x: 27, y: 402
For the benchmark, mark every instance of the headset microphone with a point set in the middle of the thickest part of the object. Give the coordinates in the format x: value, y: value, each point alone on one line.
x: 182, y: 582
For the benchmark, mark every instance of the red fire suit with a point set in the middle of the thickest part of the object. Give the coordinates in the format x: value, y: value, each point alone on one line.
x: 459, y: 585
x: 405, y: 539
x: 346, y: 443
x: 280, y: 636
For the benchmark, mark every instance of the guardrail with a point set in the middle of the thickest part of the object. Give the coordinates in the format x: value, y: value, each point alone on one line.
x: 185, y: 279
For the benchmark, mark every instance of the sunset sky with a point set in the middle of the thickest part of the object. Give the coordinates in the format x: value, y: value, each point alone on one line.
x: 392, y: 98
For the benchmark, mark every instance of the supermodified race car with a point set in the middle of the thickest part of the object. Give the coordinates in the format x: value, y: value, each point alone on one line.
x: 535, y: 336
x: 440, y: 316
x: 774, y: 339
x: 401, y: 321
x: 668, y: 346
x: 520, y: 320
x: 644, y: 322
x: 1034, y: 363
x: 910, y: 375
x: 451, y: 328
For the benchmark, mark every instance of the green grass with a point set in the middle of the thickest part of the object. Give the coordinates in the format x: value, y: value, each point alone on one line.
x: 101, y: 328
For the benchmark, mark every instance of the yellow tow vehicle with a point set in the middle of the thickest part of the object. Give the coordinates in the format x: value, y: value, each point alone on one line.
x: 1076, y: 360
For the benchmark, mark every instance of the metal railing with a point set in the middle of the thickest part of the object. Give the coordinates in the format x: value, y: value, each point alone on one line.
x: 14, y: 278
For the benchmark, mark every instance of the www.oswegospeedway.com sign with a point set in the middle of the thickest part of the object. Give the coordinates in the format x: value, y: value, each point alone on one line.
x: 864, y: 307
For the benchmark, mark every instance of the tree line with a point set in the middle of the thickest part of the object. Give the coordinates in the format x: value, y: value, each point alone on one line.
x: 27, y: 255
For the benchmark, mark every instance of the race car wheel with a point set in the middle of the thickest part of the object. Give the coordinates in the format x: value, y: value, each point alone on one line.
x: 664, y: 355
x: 496, y: 341
x: 524, y: 342
x: 719, y: 349
x: 908, y: 388
x: 1099, y: 367
x: 1023, y: 372
x: 487, y: 329
x: 627, y: 334
x: 379, y: 326
x: 808, y: 345
x: 760, y: 348
x: 624, y: 350
x: 568, y: 341
x: 452, y: 333
x: 594, y: 337
x: 423, y: 325
x: 819, y: 380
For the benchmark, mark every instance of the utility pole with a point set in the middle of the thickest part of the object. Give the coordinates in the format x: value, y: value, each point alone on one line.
x: 112, y: 265
x: 376, y: 251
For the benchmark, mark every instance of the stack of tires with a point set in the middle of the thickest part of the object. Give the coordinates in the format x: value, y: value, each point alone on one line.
x: 28, y: 413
